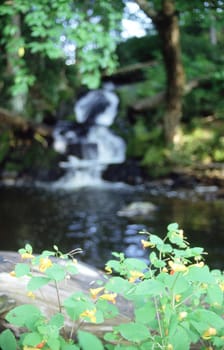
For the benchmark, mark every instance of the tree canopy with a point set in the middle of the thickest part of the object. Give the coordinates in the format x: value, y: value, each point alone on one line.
x: 50, y: 49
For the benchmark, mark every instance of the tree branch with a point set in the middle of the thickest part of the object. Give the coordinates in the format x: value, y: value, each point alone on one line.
x: 148, y: 103
x: 15, y: 121
x: 146, y: 7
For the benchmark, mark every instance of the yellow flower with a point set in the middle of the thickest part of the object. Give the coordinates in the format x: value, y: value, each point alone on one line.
x: 91, y: 314
x: 45, y: 263
x: 182, y: 315
x: 221, y: 285
x: 37, y: 347
x: 31, y: 295
x: 135, y: 275
x: 108, y: 269
x: 169, y: 347
x: 181, y: 234
x: 21, y: 51
x: 109, y: 297
x: 95, y: 291
x: 209, y: 333
x: 27, y: 256
x: 146, y: 244
x: 177, y: 297
x: 198, y: 264
x: 12, y: 273
x: 177, y: 267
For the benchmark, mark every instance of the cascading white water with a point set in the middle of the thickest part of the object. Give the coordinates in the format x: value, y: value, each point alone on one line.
x: 91, y: 146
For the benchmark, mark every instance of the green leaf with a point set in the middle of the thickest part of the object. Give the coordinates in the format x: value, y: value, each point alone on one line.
x: 209, y: 318
x: 118, y: 285
x: 24, y: 315
x: 180, y: 340
x: 159, y: 263
x: 215, y: 295
x: 200, y: 274
x: 135, y: 264
x: 57, y: 320
x: 150, y: 287
x: 146, y: 314
x: 69, y: 347
x: 53, y: 343
x: 56, y: 272
x: 164, y: 248
x: 7, y: 340
x: 89, y: 341
x: 155, y: 240
x: 173, y: 227
x: 29, y: 248
x: 76, y: 304
x: 22, y: 269
x: 108, y: 310
x: 37, y: 282
x: 135, y: 332
x: 32, y: 339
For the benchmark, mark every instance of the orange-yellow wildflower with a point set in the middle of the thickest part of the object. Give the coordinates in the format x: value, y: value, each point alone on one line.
x: 109, y: 297
x: 37, y: 347
x: 31, y: 295
x: 181, y: 234
x: 91, y: 314
x: 45, y: 263
x: 147, y: 244
x: 182, y: 315
x: 209, y: 333
x: 108, y: 269
x: 169, y: 347
x: 198, y: 264
x: 95, y: 291
x: 27, y: 256
x: 12, y: 273
x: 221, y: 285
x: 135, y: 275
x: 177, y: 297
x: 177, y: 267
x: 21, y: 51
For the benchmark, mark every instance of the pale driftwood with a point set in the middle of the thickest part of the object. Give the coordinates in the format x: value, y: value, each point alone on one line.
x: 46, y: 298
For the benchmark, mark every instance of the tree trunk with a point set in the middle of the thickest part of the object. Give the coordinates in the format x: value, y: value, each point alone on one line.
x: 167, y: 25
x: 18, y: 101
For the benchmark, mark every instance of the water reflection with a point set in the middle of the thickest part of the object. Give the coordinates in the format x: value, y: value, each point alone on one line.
x: 86, y: 218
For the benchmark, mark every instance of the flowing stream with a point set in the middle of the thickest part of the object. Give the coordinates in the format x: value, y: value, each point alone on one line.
x: 87, y: 218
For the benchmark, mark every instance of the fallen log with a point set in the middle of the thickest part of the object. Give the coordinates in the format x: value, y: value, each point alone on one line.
x: 47, y: 299
x: 15, y: 121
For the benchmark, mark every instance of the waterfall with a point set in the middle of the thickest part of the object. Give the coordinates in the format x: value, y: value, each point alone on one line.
x: 89, y: 144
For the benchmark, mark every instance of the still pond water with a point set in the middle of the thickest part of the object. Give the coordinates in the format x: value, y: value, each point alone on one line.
x: 87, y: 218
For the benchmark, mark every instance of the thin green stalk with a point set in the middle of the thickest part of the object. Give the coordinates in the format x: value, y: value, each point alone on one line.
x: 158, y: 317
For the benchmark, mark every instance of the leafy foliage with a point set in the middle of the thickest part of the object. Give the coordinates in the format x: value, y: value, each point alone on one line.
x: 177, y: 301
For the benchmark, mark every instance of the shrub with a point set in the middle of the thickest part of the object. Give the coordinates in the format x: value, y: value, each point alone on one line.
x: 177, y: 301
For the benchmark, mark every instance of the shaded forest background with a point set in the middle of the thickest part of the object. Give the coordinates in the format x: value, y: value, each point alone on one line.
x: 170, y: 81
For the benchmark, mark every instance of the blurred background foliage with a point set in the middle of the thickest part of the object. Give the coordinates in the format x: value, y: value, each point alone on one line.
x: 40, y: 68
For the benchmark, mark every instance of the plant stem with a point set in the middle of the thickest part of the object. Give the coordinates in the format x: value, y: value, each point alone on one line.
x: 58, y: 296
x: 158, y: 317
